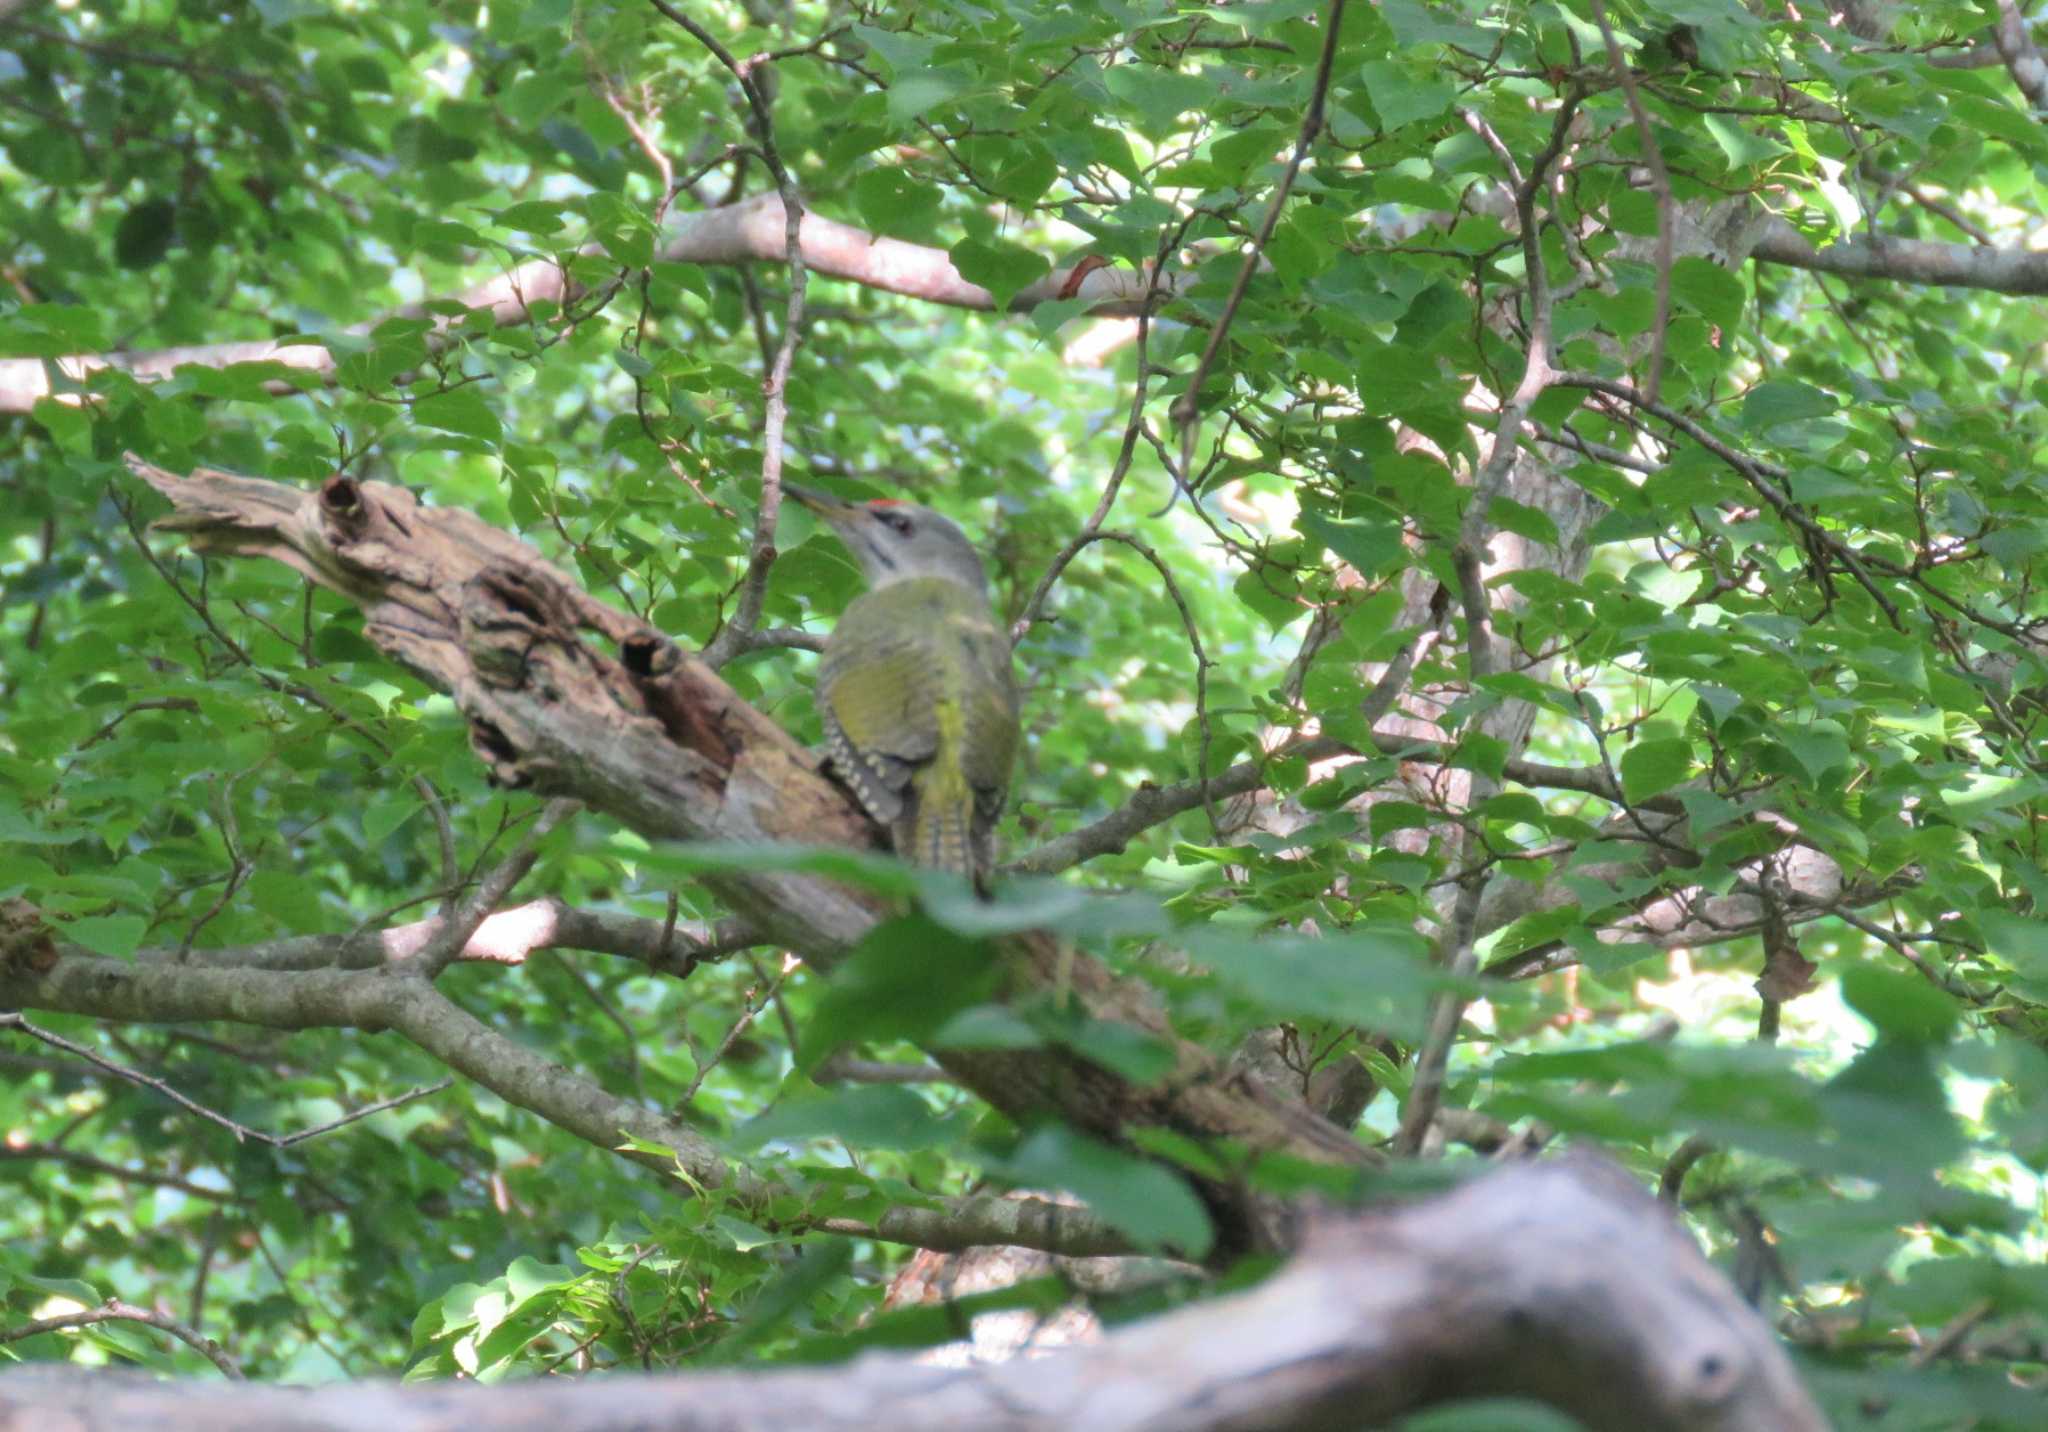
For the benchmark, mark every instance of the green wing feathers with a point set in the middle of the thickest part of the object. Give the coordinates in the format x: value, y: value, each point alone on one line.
x: 920, y: 713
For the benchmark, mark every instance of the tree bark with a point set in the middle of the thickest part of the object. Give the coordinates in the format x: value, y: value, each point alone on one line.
x: 1561, y: 1282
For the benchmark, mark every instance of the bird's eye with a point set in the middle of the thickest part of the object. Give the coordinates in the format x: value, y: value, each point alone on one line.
x: 898, y: 523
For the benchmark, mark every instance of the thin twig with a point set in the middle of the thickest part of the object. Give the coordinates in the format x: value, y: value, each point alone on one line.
x: 1134, y: 425
x: 1458, y: 952
x: 242, y: 1132
x: 113, y: 1310
x: 732, y: 1035
x: 1459, y: 958
x: 1187, y: 407
x: 285, y: 1141
x: 32, y: 1152
x: 733, y: 638
x: 1187, y: 619
x: 1760, y: 476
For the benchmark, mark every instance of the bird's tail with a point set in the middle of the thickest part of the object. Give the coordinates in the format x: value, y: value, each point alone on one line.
x: 941, y: 820
x: 940, y: 835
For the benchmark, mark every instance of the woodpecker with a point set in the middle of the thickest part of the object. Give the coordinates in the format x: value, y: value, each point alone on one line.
x: 915, y: 687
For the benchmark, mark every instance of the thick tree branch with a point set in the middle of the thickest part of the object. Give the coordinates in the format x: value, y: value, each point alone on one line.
x: 1562, y: 1282
x: 2021, y: 55
x: 374, y: 1000
x: 1917, y: 261
x: 753, y: 231
x: 983, y: 1220
x: 369, y: 1000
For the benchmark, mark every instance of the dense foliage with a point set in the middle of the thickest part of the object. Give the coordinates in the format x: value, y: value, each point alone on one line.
x: 1761, y: 694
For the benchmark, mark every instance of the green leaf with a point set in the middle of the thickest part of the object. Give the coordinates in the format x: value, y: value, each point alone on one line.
x: 1370, y: 548
x: 1001, y: 268
x: 905, y: 979
x: 1743, y: 146
x: 145, y: 234
x: 116, y: 936
x: 880, y: 1117
x: 1379, y: 979
x: 1781, y: 401
x: 1819, y: 748
x: 536, y: 216
x: 1902, y: 1006
x: 823, y: 1260
x: 891, y: 201
x: 2020, y: 940
x: 1154, y: 1207
x: 1160, y: 96
x: 1709, y: 290
x: 1401, y: 96
x: 462, y: 411
x: 1524, y: 521
x: 1650, y: 768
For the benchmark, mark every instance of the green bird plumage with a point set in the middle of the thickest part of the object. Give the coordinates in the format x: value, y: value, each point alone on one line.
x: 915, y: 688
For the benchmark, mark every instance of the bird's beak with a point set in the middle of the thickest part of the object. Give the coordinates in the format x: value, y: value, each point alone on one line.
x: 822, y: 503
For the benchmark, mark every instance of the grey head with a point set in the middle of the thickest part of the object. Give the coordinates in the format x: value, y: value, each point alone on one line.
x: 895, y: 541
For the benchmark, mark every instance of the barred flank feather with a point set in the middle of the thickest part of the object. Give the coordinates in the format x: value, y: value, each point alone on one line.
x: 880, y: 805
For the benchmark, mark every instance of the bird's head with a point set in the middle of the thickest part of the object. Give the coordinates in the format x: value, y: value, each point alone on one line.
x: 894, y: 541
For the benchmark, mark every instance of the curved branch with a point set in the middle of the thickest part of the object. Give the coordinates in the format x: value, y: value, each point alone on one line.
x: 1563, y: 1282
x: 1154, y: 805
x: 113, y: 1310
x: 373, y: 1000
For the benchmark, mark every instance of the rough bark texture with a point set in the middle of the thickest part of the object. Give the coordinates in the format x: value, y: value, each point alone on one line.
x: 1560, y: 1282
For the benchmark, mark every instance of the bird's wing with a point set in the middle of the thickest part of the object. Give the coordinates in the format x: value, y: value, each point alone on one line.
x: 876, y: 694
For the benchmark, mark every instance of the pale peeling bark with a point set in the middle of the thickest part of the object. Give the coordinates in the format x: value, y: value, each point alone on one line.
x: 1561, y: 1282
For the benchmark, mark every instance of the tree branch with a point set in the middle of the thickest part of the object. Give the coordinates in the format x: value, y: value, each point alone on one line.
x: 1154, y: 805
x: 754, y: 230
x: 372, y: 1001
x: 1918, y: 261
x: 2022, y: 57
x: 116, y: 1311
x: 1563, y: 1282
x: 739, y: 631
x: 505, y: 937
